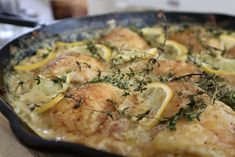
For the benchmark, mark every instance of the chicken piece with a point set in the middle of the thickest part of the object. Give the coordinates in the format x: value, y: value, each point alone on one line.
x: 78, y: 68
x: 188, y: 38
x: 212, y: 136
x: 163, y: 67
x: 230, y: 53
x: 85, y: 105
x: 177, y: 68
x: 89, y: 114
x: 123, y: 38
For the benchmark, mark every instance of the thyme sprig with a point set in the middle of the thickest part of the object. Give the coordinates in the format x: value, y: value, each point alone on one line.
x: 59, y: 80
x: 190, y: 112
x: 19, y: 84
x: 213, y: 86
x: 116, y: 79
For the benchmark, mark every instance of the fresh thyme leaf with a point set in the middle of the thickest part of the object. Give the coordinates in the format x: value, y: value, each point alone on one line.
x: 88, y: 65
x: 211, y: 84
x: 59, y: 80
x: 190, y: 112
x: 33, y: 107
x: 79, y: 65
x: 93, y: 49
x: 38, y: 79
x: 131, y: 74
x: 19, y: 84
x: 228, y: 97
x: 142, y: 115
x: 115, y: 79
x: 142, y: 85
x: 123, y: 111
x: 126, y: 94
x: 112, y: 102
x: 109, y: 114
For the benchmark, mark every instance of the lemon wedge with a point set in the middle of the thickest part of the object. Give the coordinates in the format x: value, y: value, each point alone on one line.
x: 37, y: 65
x: 175, y: 51
x: 128, y: 55
x: 70, y: 44
x: 50, y: 104
x: 104, y: 52
x: 227, y: 41
x: 218, y: 65
x: 155, y: 33
x: 157, y: 96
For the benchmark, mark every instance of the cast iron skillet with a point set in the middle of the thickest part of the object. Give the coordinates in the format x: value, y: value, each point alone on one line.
x: 69, y: 30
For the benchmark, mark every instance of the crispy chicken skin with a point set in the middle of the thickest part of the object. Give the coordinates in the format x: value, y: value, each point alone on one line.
x: 80, y: 68
x: 188, y: 38
x: 123, y: 38
x: 92, y: 108
x: 84, y: 114
x: 212, y: 136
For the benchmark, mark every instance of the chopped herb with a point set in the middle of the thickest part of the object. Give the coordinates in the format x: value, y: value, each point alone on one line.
x: 131, y: 74
x: 93, y: 49
x: 126, y: 93
x: 115, y: 79
x: 99, y: 73
x: 228, y: 97
x: 59, y: 80
x: 45, y: 55
x: 88, y: 65
x: 19, y: 84
x: 123, y: 111
x: 190, y: 112
x: 109, y: 114
x: 79, y: 65
x: 142, y: 115
x: 142, y: 85
x: 38, y: 79
x: 32, y: 107
x: 112, y: 102
x: 149, y: 66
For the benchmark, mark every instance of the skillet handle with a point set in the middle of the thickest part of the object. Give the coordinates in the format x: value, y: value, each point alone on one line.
x: 8, y: 19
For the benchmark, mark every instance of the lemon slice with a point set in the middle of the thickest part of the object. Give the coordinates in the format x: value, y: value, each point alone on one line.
x: 50, y: 104
x: 37, y: 65
x: 157, y: 96
x: 155, y: 33
x: 227, y: 41
x: 128, y: 55
x: 218, y: 65
x: 175, y: 50
x: 70, y: 44
x: 104, y: 52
